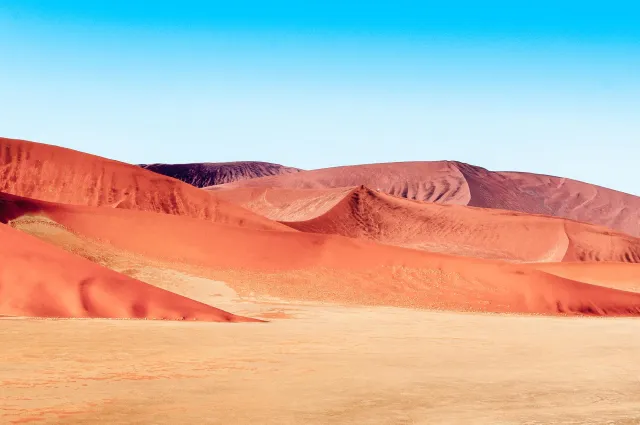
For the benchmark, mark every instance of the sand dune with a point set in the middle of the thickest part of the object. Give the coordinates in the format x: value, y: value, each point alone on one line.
x: 613, y: 275
x: 315, y: 267
x: 448, y: 182
x: 213, y: 173
x: 56, y: 174
x: 283, y: 204
x: 426, y: 181
x: 37, y: 279
x: 475, y: 232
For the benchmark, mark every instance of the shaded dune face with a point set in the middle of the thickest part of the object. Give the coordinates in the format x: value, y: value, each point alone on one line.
x: 453, y: 229
x: 37, y: 279
x: 448, y: 182
x: 55, y: 174
x: 214, y: 173
x: 327, y: 268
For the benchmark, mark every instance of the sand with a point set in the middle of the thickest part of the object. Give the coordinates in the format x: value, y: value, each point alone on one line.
x: 315, y: 267
x: 450, y: 182
x: 354, y: 308
x: 52, y: 173
x: 38, y: 279
x: 364, y: 213
x: 324, y: 365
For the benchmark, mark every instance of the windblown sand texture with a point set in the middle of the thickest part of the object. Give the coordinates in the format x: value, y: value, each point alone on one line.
x: 449, y: 182
x: 423, y: 292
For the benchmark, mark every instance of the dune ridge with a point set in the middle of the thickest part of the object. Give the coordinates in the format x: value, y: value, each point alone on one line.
x: 41, y: 280
x: 52, y: 173
x: 454, y: 229
x: 202, y: 174
x: 451, y: 182
x: 316, y: 267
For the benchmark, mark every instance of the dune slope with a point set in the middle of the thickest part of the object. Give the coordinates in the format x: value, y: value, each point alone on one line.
x: 204, y: 174
x: 37, y: 279
x: 56, y: 174
x: 475, y: 232
x: 448, y: 182
x: 315, y: 267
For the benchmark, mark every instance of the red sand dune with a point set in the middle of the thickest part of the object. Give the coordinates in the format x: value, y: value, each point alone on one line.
x: 285, y: 204
x: 475, y: 232
x: 213, y: 173
x: 449, y: 182
x: 37, y: 279
x: 56, y: 174
x: 613, y: 275
x: 333, y: 268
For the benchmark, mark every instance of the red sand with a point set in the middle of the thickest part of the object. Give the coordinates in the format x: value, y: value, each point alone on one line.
x: 37, y: 279
x: 334, y: 268
x: 613, y: 275
x: 213, y: 173
x: 56, y: 174
x: 475, y: 232
x: 449, y: 182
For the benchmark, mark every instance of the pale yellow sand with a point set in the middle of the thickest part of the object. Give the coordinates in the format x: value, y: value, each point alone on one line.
x: 323, y: 365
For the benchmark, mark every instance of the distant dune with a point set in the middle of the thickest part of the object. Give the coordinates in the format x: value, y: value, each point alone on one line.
x: 56, y: 174
x: 334, y: 235
x: 314, y: 267
x: 475, y: 232
x: 448, y: 182
x: 41, y: 280
x: 213, y: 173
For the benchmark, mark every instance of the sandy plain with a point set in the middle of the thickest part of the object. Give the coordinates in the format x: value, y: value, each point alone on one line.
x: 321, y: 364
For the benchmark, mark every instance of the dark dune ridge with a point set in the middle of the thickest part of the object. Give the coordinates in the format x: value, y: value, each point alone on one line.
x: 214, y: 173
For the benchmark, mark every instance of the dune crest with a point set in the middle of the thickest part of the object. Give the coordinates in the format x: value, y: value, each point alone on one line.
x: 450, y: 182
x: 56, y: 174
x: 453, y: 229
x: 328, y: 268
x: 205, y: 174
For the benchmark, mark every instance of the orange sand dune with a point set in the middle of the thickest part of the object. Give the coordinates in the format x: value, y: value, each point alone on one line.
x: 283, y: 204
x: 213, y: 173
x: 426, y: 181
x: 317, y: 267
x: 56, y: 174
x: 454, y: 229
x: 622, y: 276
x: 450, y: 182
x: 37, y: 279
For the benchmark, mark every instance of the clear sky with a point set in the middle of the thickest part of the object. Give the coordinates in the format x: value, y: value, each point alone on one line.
x: 544, y: 86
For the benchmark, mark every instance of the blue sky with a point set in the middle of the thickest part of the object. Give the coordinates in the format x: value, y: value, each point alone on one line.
x: 547, y: 86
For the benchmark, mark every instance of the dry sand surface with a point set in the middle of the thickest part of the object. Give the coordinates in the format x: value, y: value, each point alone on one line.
x: 52, y: 173
x: 357, y: 307
x: 364, y: 213
x: 323, y: 365
x: 449, y: 182
x: 41, y: 280
x: 313, y: 267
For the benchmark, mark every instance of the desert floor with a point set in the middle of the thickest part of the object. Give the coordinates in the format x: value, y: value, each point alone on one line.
x: 322, y: 364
